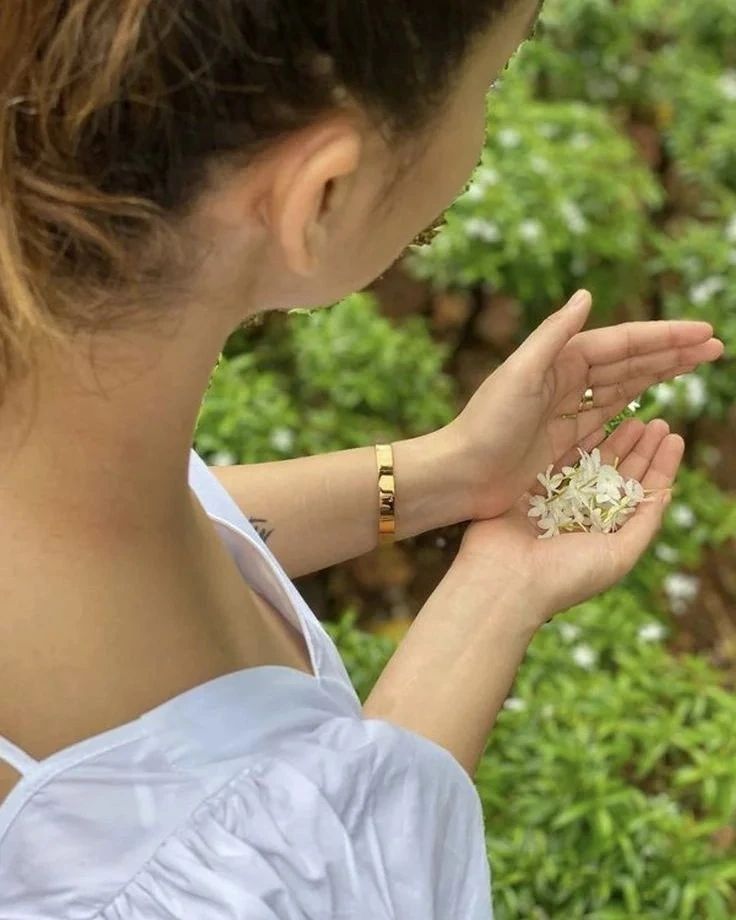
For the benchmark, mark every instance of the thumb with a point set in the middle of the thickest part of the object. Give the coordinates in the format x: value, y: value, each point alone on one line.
x: 548, y: 339
x: 636, y: 536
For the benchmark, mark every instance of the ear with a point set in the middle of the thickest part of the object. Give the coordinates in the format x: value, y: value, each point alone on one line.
x: 310, y: 190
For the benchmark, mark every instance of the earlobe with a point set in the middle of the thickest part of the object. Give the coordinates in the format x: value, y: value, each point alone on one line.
x: 312, y: 199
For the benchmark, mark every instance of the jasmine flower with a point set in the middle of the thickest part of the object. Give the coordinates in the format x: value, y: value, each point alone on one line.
x: 591, y: 496
x: 681, y: 589
x: 652, y: 632
x: 682, y: 515
x: 584, y: 656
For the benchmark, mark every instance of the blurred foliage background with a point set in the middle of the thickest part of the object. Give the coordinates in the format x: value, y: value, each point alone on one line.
x: 609, y: 785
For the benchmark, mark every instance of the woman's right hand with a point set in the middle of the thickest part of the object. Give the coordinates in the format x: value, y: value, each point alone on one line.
x: 450, y: 675
x: 557, y: 573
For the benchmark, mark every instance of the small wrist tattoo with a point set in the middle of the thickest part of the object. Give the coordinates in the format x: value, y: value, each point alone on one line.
x: 261, y: 527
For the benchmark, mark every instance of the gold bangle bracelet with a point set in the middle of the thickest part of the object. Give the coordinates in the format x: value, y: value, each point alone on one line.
x: 386, y: 494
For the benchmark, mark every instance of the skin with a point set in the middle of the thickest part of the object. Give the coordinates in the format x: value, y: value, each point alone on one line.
x: 502, y: 586
x: 303, y: 226
x: 112, y: 420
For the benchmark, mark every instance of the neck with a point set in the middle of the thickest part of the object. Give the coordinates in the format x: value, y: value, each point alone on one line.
x: 100, y: 451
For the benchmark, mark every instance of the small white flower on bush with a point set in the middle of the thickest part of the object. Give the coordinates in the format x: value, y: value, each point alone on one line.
x: 481, y: 229
x: 696, y: 392
x: 666, y: 553
x: 530, y: 230
x: 474, y: 193
x: 573, y: 216
x: 727, y: 85
x: 652, y: 632
x: 488, y: 176
x: 539, y: 164
x: 509, y: 137
x: 591, y: 496
x: 701, y: 293
x: 681, y: 589
x: 584, y: 656
x: 483, y: 178
x: 682, y: 515
x: 222, y: 458
x: 569, y: 631
x: 664, y: 393
x: 282, y: 439
x: 514, y: 704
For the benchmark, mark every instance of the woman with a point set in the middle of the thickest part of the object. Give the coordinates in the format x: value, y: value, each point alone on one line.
x: 180, y: 735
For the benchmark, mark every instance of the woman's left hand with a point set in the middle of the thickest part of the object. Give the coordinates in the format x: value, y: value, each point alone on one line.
x: 514, y: 425
x: 554, y: 574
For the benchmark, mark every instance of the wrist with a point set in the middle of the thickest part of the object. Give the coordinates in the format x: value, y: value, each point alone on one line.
x: 508, y: 599
x: 450, y: 675
x: 432, y: 485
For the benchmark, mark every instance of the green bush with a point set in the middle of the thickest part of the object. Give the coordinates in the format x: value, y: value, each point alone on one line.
x: 573, y: 209
x: 698, y: 261
x: 607, y: 53
x: 701, y: 132
x: 325, y: 380
x: 609, y: 785
x: 596, y: 51
x: 608, y: 776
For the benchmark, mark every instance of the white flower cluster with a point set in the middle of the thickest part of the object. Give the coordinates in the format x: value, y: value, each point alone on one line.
x: 591, y: 496
x: 480, y: 229
x: 681, y: 590
x: 573, y: 216
x: 652, y: 632
x: 704, y: 291
x: 691, y: 389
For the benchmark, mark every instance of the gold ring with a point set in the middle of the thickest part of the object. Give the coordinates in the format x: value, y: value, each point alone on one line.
x: 586, y: 402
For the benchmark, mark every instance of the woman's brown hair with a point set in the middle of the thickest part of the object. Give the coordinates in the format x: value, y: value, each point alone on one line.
x: 110, y: 111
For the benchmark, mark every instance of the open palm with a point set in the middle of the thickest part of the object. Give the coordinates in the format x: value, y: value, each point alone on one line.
x: 568, y: 569
x: 515, y: 424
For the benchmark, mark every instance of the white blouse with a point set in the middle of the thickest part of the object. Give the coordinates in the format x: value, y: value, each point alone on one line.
x: 263, y: 794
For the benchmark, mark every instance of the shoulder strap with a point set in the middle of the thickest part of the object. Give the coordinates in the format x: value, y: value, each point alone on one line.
x: 214, y: 496
x: 216, y: 500
x: 16, y: 757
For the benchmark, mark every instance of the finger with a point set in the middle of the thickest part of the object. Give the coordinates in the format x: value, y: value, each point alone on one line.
x: 622, y: 391
x: 546, y: 342
x: 636, y: 463
x: 638, y: 532
x: 614, y: 343
x: 651, y: 364
x: 623, y: 441
x: 618, y: 444
x: 607, y: 395
x: 591, y: 419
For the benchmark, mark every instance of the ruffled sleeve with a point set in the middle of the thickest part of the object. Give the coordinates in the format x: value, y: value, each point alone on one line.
x: 355, y: 820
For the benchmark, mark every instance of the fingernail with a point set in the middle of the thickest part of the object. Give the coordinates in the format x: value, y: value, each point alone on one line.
x: 578, y: 299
